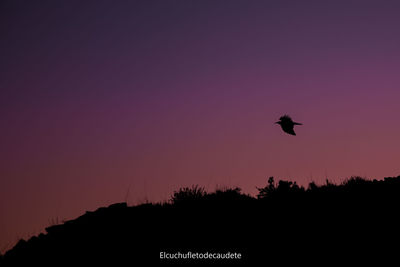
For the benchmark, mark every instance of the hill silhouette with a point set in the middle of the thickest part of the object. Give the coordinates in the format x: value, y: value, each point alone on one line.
x: 350, y: 223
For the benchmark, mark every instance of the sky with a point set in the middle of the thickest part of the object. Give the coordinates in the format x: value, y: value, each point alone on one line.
x: 112, y: 101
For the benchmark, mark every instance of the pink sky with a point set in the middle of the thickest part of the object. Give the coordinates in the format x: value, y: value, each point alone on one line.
x: 106, y: 102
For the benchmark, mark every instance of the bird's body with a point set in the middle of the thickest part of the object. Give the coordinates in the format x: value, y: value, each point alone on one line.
x: 287, y: 124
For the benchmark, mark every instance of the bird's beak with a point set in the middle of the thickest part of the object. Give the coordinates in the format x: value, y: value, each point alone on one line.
x: 277, y: 122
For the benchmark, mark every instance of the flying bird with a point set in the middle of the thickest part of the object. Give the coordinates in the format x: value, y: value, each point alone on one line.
x: 287, y: 124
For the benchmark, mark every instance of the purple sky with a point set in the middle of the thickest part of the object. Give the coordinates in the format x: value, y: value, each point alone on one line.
x: 110, y: 101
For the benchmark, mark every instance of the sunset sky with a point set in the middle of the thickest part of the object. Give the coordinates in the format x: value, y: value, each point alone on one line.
x: 112, y: 101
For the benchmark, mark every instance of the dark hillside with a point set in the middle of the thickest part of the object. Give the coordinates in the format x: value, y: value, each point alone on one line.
x: 353, y: 222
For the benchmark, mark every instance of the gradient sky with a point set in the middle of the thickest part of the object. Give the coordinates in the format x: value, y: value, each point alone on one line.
x: 111, y: 101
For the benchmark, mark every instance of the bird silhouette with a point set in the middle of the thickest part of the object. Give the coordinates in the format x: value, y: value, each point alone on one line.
x: 287, y: 124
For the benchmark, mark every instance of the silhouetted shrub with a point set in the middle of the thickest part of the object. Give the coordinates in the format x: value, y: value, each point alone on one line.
x: 229, y: 191
x: 267, y: 190
x: 188, y: 195
x: 228, y: 197
x: 312, y: 186
x: 355, y: 181
x: 283, y: 188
